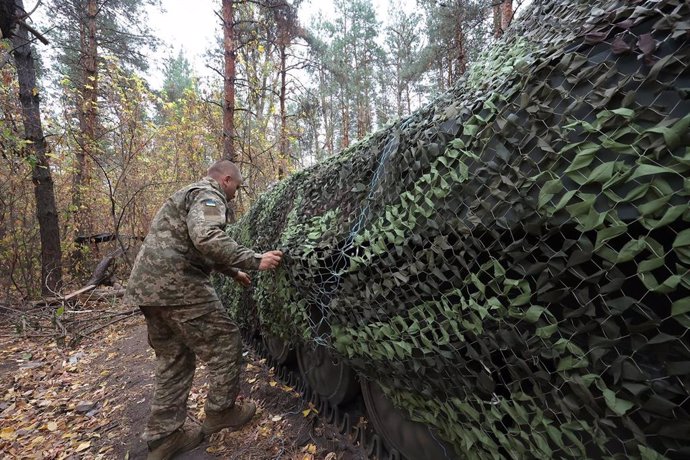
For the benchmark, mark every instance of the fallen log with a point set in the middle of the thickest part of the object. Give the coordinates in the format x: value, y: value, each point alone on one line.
x: 100, y: 274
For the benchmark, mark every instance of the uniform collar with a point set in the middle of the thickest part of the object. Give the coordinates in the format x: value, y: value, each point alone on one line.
x: 214, y: 183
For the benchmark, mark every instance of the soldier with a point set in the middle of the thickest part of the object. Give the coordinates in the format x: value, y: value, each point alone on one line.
x: 171, y: 284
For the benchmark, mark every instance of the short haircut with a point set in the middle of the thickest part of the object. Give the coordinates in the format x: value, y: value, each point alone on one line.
x: 225, y: 168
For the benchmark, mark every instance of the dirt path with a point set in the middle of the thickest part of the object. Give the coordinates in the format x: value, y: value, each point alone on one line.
x: 92, y: 401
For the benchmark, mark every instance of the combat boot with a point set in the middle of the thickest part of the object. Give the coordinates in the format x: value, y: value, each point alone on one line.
x: 178, y: 441
x: 232, y: 417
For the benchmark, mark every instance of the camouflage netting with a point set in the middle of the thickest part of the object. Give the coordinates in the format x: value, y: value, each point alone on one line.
x: 511, y: 262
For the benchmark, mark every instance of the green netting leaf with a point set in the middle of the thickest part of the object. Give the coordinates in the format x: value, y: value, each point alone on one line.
x: 650, y: 170
x: 653, y: 206
x: 571, y: 362
x: 565, y: 199
x: 624, y: 112
x: 680, y: 307
x: 546, y: 331
x: 584, y: 206
x: 673, y: 135
x: 683, y: 320
x: 592, y: 220
x: 662, y: 338
x: 609, y: 233
x: 533, y: 313
x: 521, y: 299
x: 630, y: 250
x: 651, y: 264
x: 584, y: 157
x: 651, y: 283
x: 637, y: 193
x: 671, y: 214
x: 682, y: 240
x: 647, y: 453
x: 617, y: 405
x: 601, y: 173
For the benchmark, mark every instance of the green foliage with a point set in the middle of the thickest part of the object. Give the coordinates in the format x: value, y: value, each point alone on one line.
x: 178, y: 77
x: 121, y: 32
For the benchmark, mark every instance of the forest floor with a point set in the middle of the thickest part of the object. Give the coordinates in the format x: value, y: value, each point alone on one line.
x: 91, y: 399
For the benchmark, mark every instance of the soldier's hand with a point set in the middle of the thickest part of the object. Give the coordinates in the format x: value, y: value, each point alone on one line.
x: 270, y: 260
x: 242, y: 278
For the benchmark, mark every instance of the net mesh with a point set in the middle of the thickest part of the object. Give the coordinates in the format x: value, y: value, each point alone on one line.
x: 512, y: 262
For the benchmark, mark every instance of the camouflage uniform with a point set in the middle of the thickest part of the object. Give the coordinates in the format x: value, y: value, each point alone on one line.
x: 171, y: 284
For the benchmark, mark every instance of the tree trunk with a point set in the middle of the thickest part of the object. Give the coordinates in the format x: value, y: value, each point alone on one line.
x: 498, y: 31
x: 88, y: 114
x: 503, y: 15
x: 326, y: 114
x: 461, y: 59
x: 284, y: 154
x: 506, y: 14
x: 346, y: 122
x: 229, y: 82
x: 46, y: 209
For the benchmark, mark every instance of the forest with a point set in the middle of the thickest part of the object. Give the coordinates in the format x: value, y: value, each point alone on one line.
x: 90, y: 149
x: 480, y: 208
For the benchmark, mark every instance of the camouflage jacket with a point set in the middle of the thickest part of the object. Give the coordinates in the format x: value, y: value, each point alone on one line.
x: 185, y: 244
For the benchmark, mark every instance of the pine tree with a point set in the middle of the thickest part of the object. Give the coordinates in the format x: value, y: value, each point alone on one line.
x: 178, y: 76
x: 46, y: 209
x: 87, y: 32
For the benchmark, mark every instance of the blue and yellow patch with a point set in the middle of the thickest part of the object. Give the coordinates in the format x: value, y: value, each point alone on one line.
x: 209, y: 202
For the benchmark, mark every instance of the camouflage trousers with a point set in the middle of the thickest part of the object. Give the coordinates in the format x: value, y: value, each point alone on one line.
x: 178, y: 335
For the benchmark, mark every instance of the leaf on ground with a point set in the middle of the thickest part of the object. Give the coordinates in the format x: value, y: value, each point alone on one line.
x: 83, y: 446
x: 309, y: 448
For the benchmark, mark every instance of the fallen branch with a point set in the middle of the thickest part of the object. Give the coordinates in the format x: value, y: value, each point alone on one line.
x: 125, y: 315
x: 58, y: 300
x: 100, y: 274
x: 105, y: 294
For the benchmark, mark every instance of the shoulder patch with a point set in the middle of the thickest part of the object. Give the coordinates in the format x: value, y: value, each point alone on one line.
x: 209, y: 202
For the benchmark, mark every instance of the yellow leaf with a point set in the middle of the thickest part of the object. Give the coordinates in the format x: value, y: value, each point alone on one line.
x: 311, y: 449
x: 83, y: 446
x: 7, y: 434
x: 308, y: 457
x: 38, y: 440
x: 251, y: 380
x: 52, y: 426
x: 34, y: 91
x: 273, y: 383
x: 306, y: 412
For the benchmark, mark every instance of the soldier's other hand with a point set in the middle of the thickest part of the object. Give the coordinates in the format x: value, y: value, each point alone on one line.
x: 242, y: 278
x: 270, y: 260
